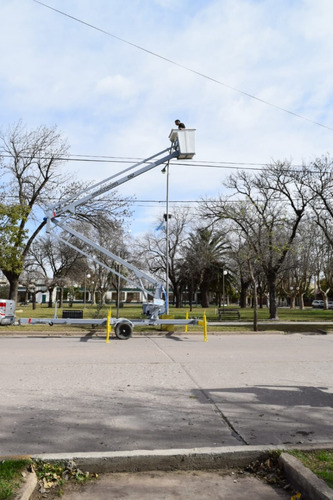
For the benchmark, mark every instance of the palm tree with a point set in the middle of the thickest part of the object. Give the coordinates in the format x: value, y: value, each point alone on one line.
x: 204, y: 260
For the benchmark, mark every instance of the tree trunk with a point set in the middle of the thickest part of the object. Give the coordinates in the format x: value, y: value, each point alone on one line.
x: 61, y: 300
x: 255, y: 307
x: 190, y: 298
x: 243, y: 294
x: 13, y: 284
x: 261, y: 298
x: 178, y: 300
x: 50, y: 303
x: 301, y: 301
x: 273, y: 311
x: 204, y: 297
x: 177, y: 294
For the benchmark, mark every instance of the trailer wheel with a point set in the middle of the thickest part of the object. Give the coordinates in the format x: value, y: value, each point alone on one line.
x: 123, y: 330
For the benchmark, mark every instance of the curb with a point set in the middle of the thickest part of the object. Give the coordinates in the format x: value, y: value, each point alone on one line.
x: 299, y: 476
x: 163, y: 460
x: 304, y: 480
x: 29, y: 486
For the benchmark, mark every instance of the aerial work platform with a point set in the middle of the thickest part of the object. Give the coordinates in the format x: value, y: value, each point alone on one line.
x: 184, y: 141
x: 56, y: 216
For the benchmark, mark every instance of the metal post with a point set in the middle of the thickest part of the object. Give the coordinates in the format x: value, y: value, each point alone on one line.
x: 86, y: 275
x: 55, y: 305
x: 223, y: 291
x: 84, y: 293
x: 118, y: 292
x: 167, y: 240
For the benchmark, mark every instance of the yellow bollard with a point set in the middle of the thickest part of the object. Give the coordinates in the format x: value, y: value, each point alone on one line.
x: 186, y: 326
x: 205, y: 326
x: 108, y: 327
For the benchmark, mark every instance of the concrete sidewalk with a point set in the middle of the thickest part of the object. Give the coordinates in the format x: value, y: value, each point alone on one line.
x: 198, y: 485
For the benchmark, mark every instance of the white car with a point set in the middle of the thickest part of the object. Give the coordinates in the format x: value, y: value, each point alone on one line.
x: 318, y: 304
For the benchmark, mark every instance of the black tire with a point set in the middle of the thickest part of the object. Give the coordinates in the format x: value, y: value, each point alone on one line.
x: 123, y: 330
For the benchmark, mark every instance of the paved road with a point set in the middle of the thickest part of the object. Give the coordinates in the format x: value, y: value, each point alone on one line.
x: 78, y: 395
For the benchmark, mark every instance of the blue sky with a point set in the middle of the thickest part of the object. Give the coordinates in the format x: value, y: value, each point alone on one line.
x: 111, y: 98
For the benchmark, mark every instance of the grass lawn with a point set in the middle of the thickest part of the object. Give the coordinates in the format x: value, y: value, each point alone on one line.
x: 319, y: 462
x: 134, y: 311
x: 11, y: 477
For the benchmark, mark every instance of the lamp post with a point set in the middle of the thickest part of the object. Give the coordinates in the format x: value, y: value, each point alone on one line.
x: 118, y: 291
x: 86, y: 275
x: 223, y: 288
x: 166, y: 217
x: 55, y: 304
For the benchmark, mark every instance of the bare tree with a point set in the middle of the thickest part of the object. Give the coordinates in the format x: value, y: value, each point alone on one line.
x: 268, y: 212
x: 30, y: 161
x: 238, y: 256
x: 151, y: 250
x: 205, y: 259
x: 56, y: 261
x: 318, y: 179
x: 323, y: 267
x: 32, y: 177
x: 301, y: 263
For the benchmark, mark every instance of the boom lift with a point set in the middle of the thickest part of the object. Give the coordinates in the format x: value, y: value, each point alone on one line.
x: 182, y: 147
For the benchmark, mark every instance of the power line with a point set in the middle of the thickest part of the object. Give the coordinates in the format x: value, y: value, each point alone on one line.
x: 198, y: 73
x: 126, y: 160
x: 158, y: 203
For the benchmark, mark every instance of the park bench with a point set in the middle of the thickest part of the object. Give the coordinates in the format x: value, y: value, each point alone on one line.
x: 228, y: 314
x: 74, y: 314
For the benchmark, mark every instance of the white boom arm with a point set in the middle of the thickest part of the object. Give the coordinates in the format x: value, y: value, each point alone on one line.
x: 82, y: 198
x: 138, y: 273
x: 182, y: 146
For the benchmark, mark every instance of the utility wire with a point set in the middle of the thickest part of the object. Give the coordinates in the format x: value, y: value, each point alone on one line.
x: 198, y: 73
x: 131, y: 159
x: 233, y: 165
x: 158, y: 203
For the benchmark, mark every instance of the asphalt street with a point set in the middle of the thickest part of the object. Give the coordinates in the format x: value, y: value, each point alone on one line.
x: 82, y: 395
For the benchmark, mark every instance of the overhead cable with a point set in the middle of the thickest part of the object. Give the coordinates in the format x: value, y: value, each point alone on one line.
x: 198, y: 73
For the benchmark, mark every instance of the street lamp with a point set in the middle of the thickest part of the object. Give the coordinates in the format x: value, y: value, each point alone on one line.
x: 166, y: 217
x: 223, y: 291
x: 118, y: 291
x: 55, y: 303
x: 86, y: 275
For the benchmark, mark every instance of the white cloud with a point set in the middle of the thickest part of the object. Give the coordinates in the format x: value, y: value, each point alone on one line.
x: 117, y: 85
x: 111, y: 98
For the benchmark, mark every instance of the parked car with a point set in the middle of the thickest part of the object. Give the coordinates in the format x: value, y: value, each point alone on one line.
x: 330, y: 304
x: 318, y: 304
